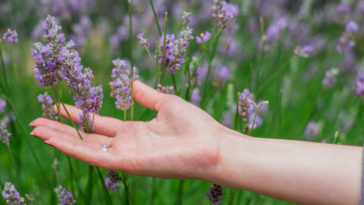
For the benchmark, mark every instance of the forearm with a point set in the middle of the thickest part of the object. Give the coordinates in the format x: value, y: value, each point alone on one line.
x: 300, y: 172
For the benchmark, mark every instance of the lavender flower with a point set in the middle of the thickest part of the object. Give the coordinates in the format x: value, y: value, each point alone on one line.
x: 64, y: 196
x: 2, y: 106
x: 330, y: 78
x: 11, y: 195
x: 222, y: 75
x: 49, y: 57
x: 11, y: 36
x: 47, y: 106
x: 143, y: 42
x: 195, y: 98
x: 304, y: 51
x: 186, y: 18
x: 245, y: 107
x: 87, y: 98
x: 359, y: 85
x: 352, y: 27
x: 121, y: 84
x: 165, y: 89
x: 4, y: 134
x: 203, y: 38
x: 312, y: 130
x: 175, y: 49
x: 215, y: 194
x: 227, y: 119
x: 112, y: 181
x: 224, y: 13
x: 82, y: 30
x: 347, y: 40
x: 275, y: 30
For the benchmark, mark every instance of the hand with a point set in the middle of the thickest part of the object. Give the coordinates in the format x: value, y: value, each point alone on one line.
x: 181, y: 142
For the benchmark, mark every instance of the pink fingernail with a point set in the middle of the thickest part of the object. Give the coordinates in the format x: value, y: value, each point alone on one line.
x: 32, y: 133
x: 47, y: 143
x: 31, y: 124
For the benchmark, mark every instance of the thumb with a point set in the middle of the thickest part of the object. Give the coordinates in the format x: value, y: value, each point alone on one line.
x: 147, y: 96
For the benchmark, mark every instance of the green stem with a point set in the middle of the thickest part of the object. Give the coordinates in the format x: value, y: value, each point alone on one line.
x: 6, y: 83
x: 231, y: 198
x: 174, y: 84
x: 126, y: 188
x: 161, y: 70
x: 106, y: 193
x: 131, y: 59
x: 74, y: 176
x: 69, y: 117
x: 89, y: 185
x: 180, y: 192
x: 155, y: 18
x: 153, y: 191
x: 15, y: 166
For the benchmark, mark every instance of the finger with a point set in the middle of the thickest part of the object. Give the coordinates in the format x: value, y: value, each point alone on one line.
x: 101, y: 125
x: 147, y: 96
x: 83, y: 151
x: 45, y: 133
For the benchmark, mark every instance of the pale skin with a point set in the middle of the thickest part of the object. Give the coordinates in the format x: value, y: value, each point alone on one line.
x: 184, y: 142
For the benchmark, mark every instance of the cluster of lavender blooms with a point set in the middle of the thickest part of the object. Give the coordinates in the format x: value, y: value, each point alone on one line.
x: 330, y: 78
x: 121, y: 84
x: 304, y: 51
x: 47, y: 106
x: 11, y: 36
x: 2, y: 106
x: 312, y: 130
x: 144, y: 43
x: 49, y: 57
x: 112, y: 181
x: 224, y: 13
x: 58, y: 60
x: 165, y: 89
x: 64, y: 196
x: 359, y: 85
x: 176, y: 47
x: 249, y: 110
x: 4, y: 134
x: 347, y: 40
x: 203, y: 38
x: 215, y: 194
x: 11, y: 195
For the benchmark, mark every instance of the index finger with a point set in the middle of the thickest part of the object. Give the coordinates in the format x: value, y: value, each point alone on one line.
x: 102, y: 125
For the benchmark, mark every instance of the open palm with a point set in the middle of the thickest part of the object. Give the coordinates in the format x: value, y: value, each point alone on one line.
x: 181, y: 142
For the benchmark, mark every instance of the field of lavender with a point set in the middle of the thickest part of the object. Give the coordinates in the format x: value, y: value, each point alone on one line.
x: 300, y: 61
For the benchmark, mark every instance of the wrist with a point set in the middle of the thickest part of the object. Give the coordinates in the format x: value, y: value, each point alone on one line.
x: 233, y: 147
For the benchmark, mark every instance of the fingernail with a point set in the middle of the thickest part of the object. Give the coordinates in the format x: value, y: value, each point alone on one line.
x: 31, y: 124
x: 32, y: 133
x: 47, y: 143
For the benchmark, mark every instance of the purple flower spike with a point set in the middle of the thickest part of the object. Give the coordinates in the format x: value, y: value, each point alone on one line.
x: 330, y: 78
x: 2, y: 106
x: 143, y: 42
x: 312, y: 130
x: 175, y: 49
x: 11, y: 36
x: 112, y: 181
x: 245, y: 108
x: 359, y: 85
x: 47, y: 106
x: 64, y: 196
x: 121, y: 84
x: 11, y: 195
x: 203, y: 38
x: 4, y: 134
x: 352, y: 27
x: 215, y: 194
x: 224, y: 13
